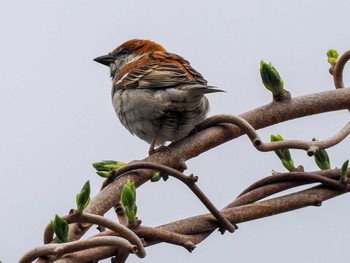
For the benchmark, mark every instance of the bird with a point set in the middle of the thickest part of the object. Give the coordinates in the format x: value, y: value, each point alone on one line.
x: 157, y: 95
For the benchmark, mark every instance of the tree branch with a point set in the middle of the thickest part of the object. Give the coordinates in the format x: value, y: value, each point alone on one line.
x: 187, y: 180
x: 207, y: 139
x: 57, y: 250
x: 338, y: 69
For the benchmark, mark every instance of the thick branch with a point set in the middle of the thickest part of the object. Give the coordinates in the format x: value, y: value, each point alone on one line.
x: 58, y: 250
x: 304, y: 198
x: 199, y: 227
x: 209, y: 138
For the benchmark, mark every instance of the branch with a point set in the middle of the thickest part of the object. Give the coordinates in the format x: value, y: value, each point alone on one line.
x: 310, y: 146
x: 207, y: 139
x: 160, y: 235
x: 294, y: 177
x: 101, y: 221
x: 309, y: 197
x: 338, y: 68
x: 199, y: 227
x: 277, y: 187
x: 187, y: 180
x: 57, y: 250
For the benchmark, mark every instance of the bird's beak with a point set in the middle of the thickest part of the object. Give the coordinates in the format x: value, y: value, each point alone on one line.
x: 105, y: 60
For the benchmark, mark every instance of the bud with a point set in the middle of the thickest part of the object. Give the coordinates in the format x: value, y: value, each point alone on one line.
x: 103, y: 174
x: 106, y: 165
x: 344, y: 171
x: 322, y: 159
x: 283, y: 154
x: 156, y: 177
x: 128, y: 199
x: 271, y: 78
x: 332, y: 55
x: 83, y: 198
x: 60, y: 227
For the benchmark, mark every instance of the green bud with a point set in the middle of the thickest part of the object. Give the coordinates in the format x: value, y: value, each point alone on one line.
x: 128, y: 196
x: 322, y: 159
x: 156, y: 177
x: 271, y: 78
x: 83, y: 198
x: 128, y: 199
x: 344, y: 171
x: 60, y: 227
x: 106, y: 165
x: 332, y: 55
x: 283, y: 154
x: 289, y: 165
x: 130, y: 214
x: 104, y: 174
x: 113, y: 166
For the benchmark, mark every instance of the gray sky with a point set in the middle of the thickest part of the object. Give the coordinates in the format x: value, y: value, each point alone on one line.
x: 57, y: 117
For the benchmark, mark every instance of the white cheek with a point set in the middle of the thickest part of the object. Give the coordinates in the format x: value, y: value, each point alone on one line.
x: 131, y: 58
x: 120, y: 63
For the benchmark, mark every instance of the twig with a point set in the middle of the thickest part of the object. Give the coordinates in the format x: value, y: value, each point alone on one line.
x: 310, y: 146
x: 121, y: 257
x: 309, y: 197
x: 60, y: 249
x: 338, y: 69
x: 188, y: 180
x: 235, y: 120
x: 160, y: 235
x: 119, y: 210
x: 102, y: 221
x: 263, y: 192
x: 270, y: 189
x: 296, y: 176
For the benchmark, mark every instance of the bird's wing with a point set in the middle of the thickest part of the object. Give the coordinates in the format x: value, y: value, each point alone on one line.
x: 156, y: 70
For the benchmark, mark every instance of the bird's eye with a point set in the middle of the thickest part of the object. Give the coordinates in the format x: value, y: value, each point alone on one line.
x: 123, y: 52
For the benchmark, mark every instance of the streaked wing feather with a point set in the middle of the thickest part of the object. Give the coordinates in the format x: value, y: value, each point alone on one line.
x: 167, y: 70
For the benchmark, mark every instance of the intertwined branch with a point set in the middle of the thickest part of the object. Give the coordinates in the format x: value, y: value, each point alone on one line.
x: 122, y: 238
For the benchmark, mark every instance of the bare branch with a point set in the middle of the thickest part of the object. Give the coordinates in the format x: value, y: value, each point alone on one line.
x: 338, y: 68
x: 160, y: 235
x: 263, y: 192
x: 58, y: 250
x: 310, y: 146
x: 295, y: 177
x: 190, y: 181
x: 309, y: 197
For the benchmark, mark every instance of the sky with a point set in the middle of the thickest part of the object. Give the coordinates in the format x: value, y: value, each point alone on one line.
x: 57, y: 117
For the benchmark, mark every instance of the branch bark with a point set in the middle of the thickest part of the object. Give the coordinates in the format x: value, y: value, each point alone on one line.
x: 199, y: 227
x: 211, y: 137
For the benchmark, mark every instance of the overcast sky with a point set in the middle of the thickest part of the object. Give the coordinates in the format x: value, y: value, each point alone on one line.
x: 57, y: 117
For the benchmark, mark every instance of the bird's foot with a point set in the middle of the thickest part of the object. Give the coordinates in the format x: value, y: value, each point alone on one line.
x: 161, y: 148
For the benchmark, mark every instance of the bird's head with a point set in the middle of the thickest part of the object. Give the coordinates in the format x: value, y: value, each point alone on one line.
x: 126, y: 53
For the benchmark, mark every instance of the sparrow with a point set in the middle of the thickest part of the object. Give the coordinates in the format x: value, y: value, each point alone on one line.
x: 157, y: 95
